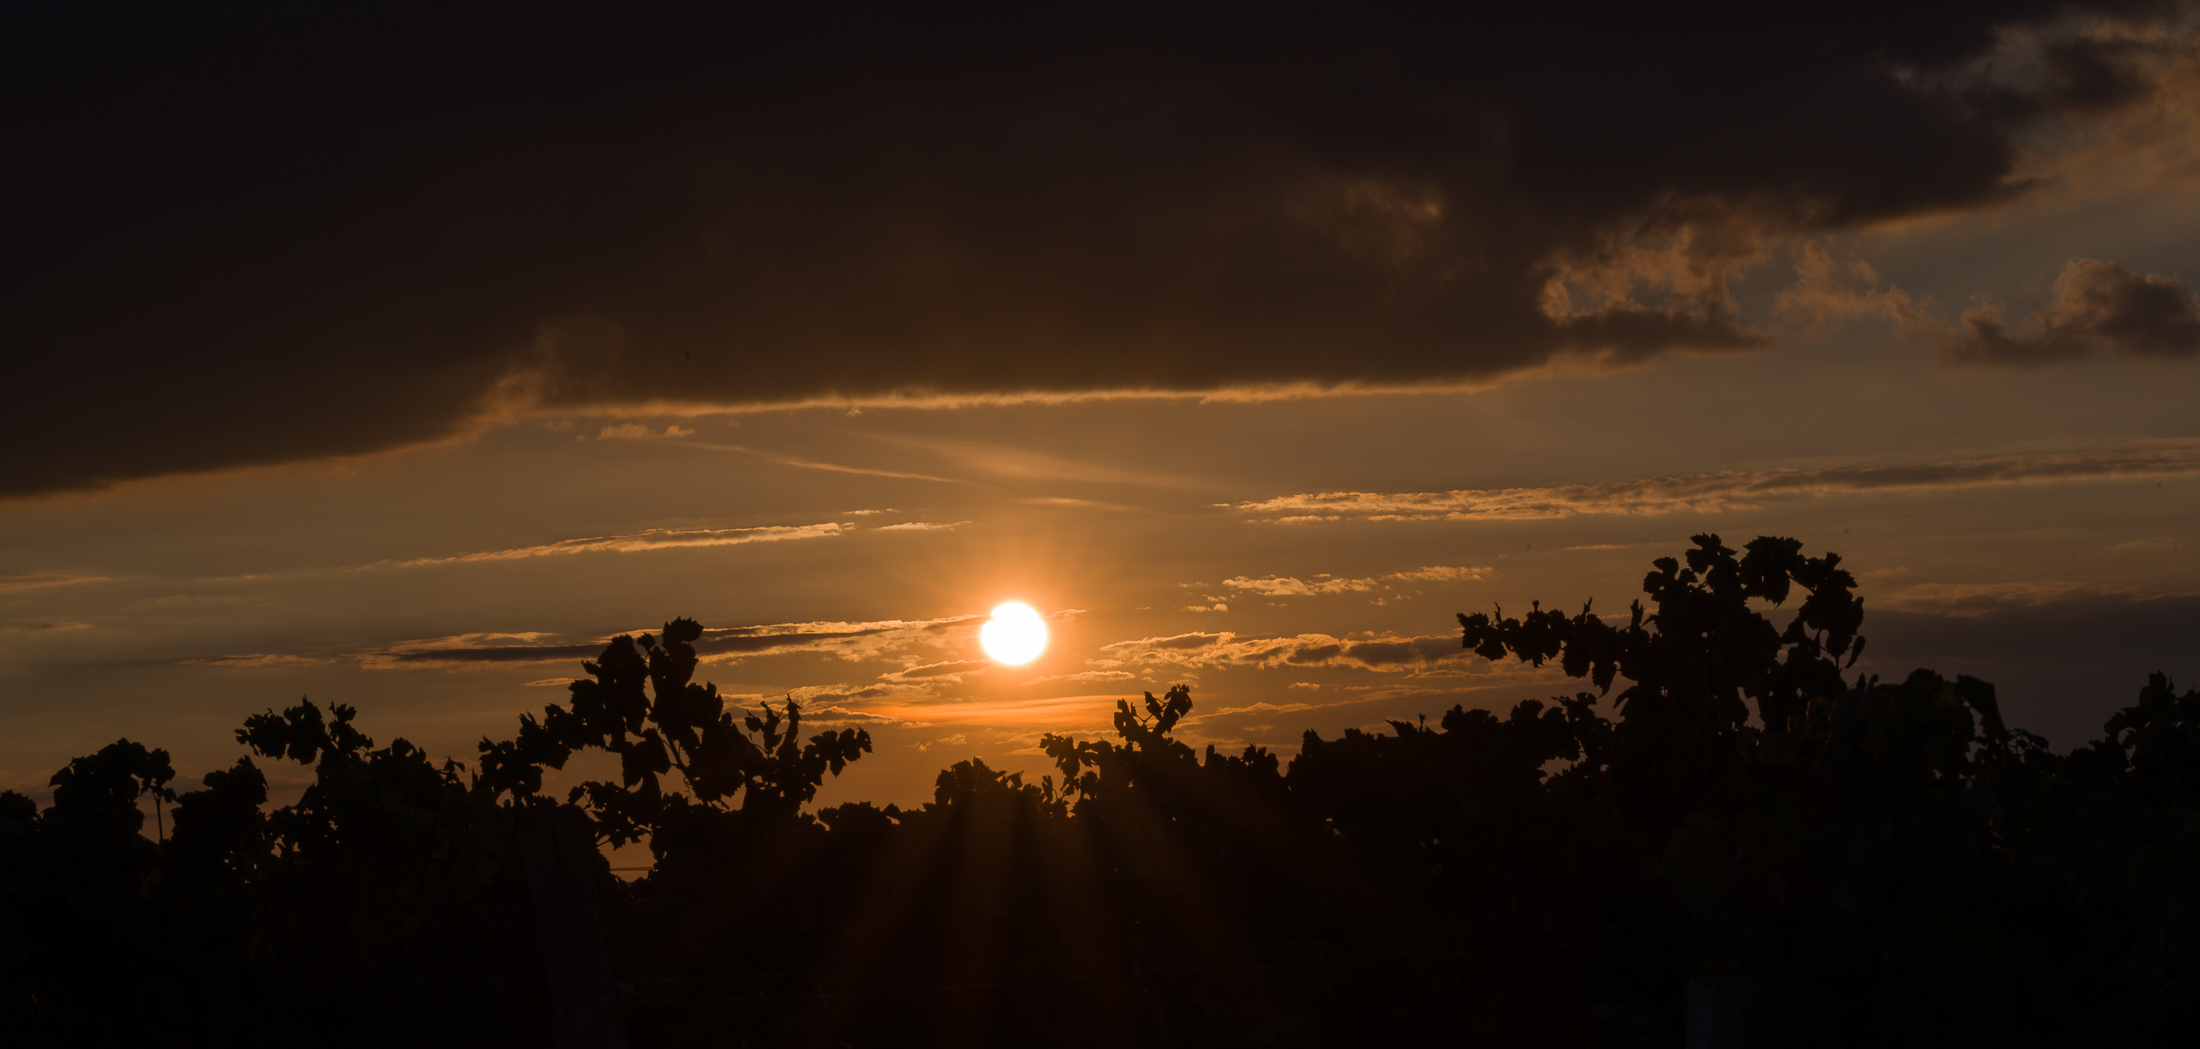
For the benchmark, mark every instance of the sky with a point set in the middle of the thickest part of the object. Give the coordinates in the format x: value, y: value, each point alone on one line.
x: 401, y: 358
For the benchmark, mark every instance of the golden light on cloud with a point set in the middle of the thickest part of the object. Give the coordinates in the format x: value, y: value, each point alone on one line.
x: 1015, y: 635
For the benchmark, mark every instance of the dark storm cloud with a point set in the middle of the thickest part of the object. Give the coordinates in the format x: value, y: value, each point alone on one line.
x: 262, y: 236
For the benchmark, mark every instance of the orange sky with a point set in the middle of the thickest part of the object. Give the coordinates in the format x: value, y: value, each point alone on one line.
x: 412, y: 413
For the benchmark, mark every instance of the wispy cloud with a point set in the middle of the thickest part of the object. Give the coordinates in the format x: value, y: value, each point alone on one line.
x: 475, y: 649
x: 39, y: 580
x: 853, y: 642
x: 42, y: 628
x: 811, y: 464
x: 1268, y: 708
x: 638, y: 432
x: 1030, y: 714
x: 1010, y: 463
x: 838, y: 715
x: 1068, y: 502
x: 1287, y: 586
x: 257, y: 659
x: 1729, y: 490
x: 650, y: 539
x: 949, y: 670
x: 1086, y: 676
x: 1978, y: 599
x: 1353, y: 695
x: 1226, y: 649
x: 850, y: 642
x: 923, y: 526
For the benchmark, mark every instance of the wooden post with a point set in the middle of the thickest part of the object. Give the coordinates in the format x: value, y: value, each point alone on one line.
x: 559, y: 853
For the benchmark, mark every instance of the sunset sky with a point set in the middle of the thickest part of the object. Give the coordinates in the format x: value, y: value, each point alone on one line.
x: 401, y: 358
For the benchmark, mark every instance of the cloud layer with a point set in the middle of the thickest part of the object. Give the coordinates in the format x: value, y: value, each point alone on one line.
x: 1728, y: 490
x: 254, y: 238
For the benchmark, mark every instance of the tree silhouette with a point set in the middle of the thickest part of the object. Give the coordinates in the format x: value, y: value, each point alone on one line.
x: 642, y: 704
x: 1695, y: 660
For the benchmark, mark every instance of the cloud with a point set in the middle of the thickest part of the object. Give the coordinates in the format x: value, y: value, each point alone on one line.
x: 1087, y: 676
x: 834, y: 715
x: 474, y: 649
x: 638, y: 432
x: 800, y: 463
x: 1034, y: 714
x: 1226, y: 649
x: 42, y: 628
x: 951, y: 670
x: 651, y: 539
x: 1011, y: 463
x: 257, y: 659
x: 923, y: 526
x: 1977, y: 599
x: 2097, y: 308
x: 1400, y: 199
x: 1359, y: 695
x: 1269, y: 708
x: 1730, y: 490
x: 1287, y: 586
x: 1442, y: 574
x: 851, y: 642
x: 41, y: 580
x: 1067, y: 502
x: 2112, y: 148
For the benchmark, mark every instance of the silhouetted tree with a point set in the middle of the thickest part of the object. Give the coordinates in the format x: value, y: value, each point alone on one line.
x: 643, y: 705
x: 1891, y: 862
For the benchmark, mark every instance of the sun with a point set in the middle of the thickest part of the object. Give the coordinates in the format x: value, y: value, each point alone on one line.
x: 1015, y: 635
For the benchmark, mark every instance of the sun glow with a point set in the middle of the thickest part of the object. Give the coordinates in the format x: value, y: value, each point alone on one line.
x: 1015, y: 635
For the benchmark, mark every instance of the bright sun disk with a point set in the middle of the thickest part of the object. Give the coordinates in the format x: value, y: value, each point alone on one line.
x: 1015, y: 635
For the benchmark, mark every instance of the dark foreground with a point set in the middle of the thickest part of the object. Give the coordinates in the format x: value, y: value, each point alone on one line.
x: 1885, y: 863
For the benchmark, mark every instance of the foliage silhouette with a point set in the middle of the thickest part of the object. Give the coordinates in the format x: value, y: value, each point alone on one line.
x: 673, y: 725
x: 1892, y: 861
